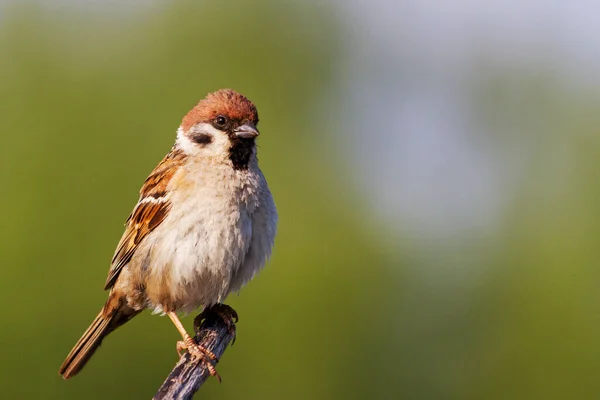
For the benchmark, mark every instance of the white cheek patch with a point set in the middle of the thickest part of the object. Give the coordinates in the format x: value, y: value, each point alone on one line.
x: 219, y: 145
x: 184, y: 142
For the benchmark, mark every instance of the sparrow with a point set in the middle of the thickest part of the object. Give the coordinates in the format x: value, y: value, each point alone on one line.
x: 203, y: 226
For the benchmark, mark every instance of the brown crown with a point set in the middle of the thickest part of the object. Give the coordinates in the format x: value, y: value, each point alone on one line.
x: 225, y: 102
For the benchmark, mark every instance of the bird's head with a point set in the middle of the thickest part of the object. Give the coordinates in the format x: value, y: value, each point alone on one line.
x: 223, y: 124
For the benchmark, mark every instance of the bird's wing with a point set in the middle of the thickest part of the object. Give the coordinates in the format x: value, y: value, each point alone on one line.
x: 151, y: 209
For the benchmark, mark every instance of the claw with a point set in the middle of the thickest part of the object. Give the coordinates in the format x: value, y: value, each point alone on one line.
x: 180, y: 347
x: 229, y: 316
x: 199, y: 353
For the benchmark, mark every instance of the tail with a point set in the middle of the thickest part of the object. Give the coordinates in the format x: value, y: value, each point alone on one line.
x: 113, y: 314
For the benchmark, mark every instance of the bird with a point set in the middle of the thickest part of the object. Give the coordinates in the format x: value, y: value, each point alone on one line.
x: 204, y: 225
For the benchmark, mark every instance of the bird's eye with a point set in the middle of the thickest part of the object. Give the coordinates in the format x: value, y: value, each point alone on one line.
x: 220, y: 121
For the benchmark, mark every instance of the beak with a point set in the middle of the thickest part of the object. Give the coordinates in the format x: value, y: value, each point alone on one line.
x: 246, y: 131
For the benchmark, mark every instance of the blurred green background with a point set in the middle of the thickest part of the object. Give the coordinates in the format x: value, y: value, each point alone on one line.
x: 359, y: 300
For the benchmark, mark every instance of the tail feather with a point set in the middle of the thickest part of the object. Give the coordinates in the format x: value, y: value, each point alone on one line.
x: 109, y: 319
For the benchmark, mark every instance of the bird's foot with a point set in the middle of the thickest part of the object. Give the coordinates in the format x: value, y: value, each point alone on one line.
x: 199, y: 352
x: 226, y: 313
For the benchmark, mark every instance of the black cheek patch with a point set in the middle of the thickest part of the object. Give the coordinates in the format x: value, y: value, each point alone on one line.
x: 202, y: 139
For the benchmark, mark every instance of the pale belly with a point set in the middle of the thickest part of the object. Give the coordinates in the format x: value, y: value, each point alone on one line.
x: 195, y: 256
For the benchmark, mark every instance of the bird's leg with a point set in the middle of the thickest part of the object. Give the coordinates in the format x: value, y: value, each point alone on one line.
x: 194, y: 348
x: 225, y: 312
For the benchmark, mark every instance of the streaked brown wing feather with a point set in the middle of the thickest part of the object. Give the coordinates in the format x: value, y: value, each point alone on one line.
x: 146, y: 215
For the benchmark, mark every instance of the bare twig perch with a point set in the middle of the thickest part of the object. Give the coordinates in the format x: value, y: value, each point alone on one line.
x: 214, y: 329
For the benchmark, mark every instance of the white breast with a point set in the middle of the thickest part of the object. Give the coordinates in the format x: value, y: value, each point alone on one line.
x: 214, y: 238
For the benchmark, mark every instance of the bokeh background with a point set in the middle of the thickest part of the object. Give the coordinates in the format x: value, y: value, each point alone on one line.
x: 435, y: 165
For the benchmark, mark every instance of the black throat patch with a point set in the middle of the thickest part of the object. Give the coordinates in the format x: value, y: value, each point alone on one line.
x: 240, y: 152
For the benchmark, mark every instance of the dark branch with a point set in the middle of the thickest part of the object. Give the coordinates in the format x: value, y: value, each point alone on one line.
x: 215, y: 329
